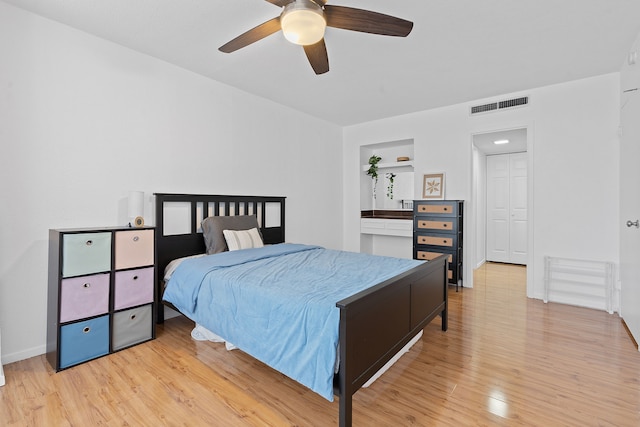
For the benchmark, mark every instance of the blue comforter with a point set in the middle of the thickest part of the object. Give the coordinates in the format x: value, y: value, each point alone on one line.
x: 278, y: 303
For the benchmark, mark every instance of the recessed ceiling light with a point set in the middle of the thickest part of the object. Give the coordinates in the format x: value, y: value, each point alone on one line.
x: 501, y: 141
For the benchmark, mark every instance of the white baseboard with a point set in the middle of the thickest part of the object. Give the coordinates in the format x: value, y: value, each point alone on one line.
x: 24, y: 354
x: 1, y: 369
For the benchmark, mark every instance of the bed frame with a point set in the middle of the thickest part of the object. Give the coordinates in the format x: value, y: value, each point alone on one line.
x: 375, y: 324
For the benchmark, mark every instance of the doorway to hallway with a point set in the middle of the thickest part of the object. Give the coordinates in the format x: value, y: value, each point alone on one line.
x: 506, y: 189
x: 501, y: 198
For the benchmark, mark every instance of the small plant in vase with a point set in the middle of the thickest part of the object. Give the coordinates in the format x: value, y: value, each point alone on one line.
x: 373, y: 171
x: 390, y: 176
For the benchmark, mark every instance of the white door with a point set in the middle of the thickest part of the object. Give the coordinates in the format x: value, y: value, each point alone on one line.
x: 518, y: 206
x: 630, y: 212
x: 507, y: 208
x: 498, y: 208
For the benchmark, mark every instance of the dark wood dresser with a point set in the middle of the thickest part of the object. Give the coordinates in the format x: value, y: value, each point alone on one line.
x: 437, y: 229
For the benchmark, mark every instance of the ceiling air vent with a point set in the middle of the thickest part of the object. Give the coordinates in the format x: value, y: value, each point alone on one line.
x: 500, y: 105
x: 484, y: 108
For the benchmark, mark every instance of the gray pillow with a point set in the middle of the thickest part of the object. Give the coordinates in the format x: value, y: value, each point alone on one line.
x: 212, y: 230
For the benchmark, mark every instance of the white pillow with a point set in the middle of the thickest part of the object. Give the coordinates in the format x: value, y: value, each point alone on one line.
x: 242, y: 239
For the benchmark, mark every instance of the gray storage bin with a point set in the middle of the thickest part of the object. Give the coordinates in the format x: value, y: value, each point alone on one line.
x: 132, y: 326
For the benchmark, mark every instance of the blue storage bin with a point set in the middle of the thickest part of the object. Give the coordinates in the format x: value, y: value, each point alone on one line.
x: 83, y: 341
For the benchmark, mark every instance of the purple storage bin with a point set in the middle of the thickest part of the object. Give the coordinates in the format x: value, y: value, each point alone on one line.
x: 84, y: 296
x: 133, y: 287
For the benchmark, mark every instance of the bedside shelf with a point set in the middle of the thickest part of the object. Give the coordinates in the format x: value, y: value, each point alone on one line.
x: 403, y: 165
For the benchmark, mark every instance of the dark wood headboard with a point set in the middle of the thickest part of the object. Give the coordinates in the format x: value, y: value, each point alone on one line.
x: 190, y: 241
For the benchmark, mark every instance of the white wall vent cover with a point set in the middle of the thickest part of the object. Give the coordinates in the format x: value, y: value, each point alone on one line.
x: 500, y: 105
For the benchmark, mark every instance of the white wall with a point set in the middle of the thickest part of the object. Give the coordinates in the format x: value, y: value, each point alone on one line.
x: 573, y: 131
x: 479, y: 200
x: 83, y: 121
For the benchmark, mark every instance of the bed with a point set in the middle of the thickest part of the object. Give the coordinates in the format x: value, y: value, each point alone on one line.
x: 373, y: 324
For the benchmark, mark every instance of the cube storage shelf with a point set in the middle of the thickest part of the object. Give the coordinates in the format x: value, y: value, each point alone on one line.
x: 101, y: 292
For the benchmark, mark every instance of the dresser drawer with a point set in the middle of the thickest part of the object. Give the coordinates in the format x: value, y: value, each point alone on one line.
x: 133, y: 287
x: 435, y: 240
x: 445, y: 208
x: 83, y: 341
x: 428, y: 256
x: 451, y: 259
x: 435, y: 224
x: 85, y: 253
x: 84, y: 296
x: 134, y: 248
x: 132, y: 326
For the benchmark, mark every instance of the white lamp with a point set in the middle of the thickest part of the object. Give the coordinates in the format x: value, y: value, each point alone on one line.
x: 302, y: 22
x: 136, y: 208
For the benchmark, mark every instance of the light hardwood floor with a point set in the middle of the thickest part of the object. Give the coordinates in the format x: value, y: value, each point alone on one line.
x: 504, y: 361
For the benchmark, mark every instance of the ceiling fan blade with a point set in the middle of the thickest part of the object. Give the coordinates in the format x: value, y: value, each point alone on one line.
x: 317, y: 56
x: 281, y: 3
x: 253, y: 35
x: 366, y: 21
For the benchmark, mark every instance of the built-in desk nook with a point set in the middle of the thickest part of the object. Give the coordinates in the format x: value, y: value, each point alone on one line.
x: 387, y: 222
x: 386, y: 198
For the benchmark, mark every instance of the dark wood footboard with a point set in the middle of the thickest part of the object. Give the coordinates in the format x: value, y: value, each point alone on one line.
x: 377, y: 323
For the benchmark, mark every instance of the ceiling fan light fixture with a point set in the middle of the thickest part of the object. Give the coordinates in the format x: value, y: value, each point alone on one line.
x: 303, y: 22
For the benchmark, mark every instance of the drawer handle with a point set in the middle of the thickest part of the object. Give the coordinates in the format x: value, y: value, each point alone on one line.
x: 135, y: 277
x: 86, y: 329
x: 444, y: 225
x: 445, y: 209
x: 136, y: 238
x: 86, y: 285
x: 133, y: 316
x: 89, y: 242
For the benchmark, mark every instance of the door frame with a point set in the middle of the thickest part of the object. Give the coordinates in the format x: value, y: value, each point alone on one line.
x: 478, y: 189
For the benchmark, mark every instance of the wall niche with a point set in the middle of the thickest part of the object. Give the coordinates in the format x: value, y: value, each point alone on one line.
x: 380, y: 195
x: 386, y: 224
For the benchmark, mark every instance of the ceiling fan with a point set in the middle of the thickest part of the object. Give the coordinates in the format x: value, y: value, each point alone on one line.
x: 303, y: 22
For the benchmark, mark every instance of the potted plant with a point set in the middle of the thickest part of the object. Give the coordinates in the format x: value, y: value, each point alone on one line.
x: 373, y: 171
x: 390, y: 176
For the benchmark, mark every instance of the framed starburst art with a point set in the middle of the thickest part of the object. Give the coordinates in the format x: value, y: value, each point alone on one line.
x: 433, y: 186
